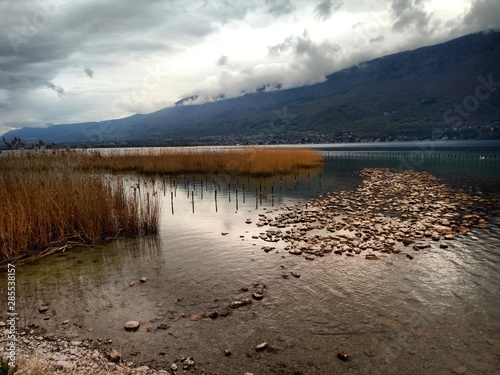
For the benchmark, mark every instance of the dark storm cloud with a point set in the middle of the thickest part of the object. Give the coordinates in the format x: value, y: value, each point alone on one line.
x: 223, y: 60
x: 279, y: 8
x: 409, y: 14
x: 89, y: 72
x: 58, y: 89
x: 325, y: 9
x: 483, y: 15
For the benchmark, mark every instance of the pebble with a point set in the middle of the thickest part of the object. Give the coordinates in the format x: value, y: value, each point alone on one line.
x: 262, y: 346
x: 132, y: 325
x: 343, y: 356
x: 460, y: 370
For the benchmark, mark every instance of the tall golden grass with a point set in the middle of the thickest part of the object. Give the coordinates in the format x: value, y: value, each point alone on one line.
x: 47, y: 210
x: 244, y: 161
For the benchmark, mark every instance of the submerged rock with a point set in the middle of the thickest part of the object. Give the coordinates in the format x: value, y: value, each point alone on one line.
x: 262, y: 346
x: 343, y: 356
x: 240, y: 303
x: 132, y: 325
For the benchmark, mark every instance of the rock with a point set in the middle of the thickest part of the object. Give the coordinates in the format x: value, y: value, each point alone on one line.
x: 65, y: 322
x: 261, y: 347
x: 443, y: 246
x: 241, y: 303
x: 407, y: 241
x: 174, y: 367
x: 295, y: 252
x: 371, y: 257
x: 343, y: 356
x: 257, y: 295
x: 113, y: 356
x: 309, y: 257
x: 409, y: 256
x: 460, y: 370
x: 285, y: 276
x: 224, y: 233
x: 163, y: 326
x: 227, y: 352
x: 43, y: 309
x: 214, y: 314
x: 224, y: 313
x: 244, y: 289
x: 295, y: 274
x: 143, y: 279
x: 132, y: 325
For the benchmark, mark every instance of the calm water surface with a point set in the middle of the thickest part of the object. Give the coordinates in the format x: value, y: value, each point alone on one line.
x: 436, y: 314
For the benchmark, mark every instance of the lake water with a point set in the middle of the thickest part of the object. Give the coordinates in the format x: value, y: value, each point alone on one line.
x: 436, y: 314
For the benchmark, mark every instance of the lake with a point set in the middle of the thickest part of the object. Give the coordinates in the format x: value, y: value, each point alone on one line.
x: 436, y: 314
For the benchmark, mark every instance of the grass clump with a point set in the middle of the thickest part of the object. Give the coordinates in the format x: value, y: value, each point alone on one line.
x: 44, y: 211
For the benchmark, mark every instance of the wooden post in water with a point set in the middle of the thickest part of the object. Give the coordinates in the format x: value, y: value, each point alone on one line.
x: 236, y: 199
x: 272, y: 196
x: 172, y: 201
x: 256, y: 199
x: 192, y: 199
x: 215, y: 191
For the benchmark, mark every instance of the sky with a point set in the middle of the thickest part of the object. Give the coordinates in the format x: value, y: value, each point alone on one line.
x: 71, y: 61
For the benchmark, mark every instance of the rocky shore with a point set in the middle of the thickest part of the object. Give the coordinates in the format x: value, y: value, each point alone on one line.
x: 52, y: 355
x: 392, y: 211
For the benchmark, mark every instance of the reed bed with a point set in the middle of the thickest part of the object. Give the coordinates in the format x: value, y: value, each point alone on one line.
x: 46, y: 211
x: 252, y: 161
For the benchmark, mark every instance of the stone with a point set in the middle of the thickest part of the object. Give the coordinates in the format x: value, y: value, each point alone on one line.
x: 257, y: 295
x: 227, y: 352
x: 132, y: 325
x: 343, y: 356
x: 371, y: 257
x: 261, y: 347
x: 460, y: 370
x: 43, y: 309
x: 214, y: 314
x: 240, y: 303
x: 224, y: 233
x: 409, y: 256
x: 173, y: 367
x: 113, y: 356
x: 295, y: 274
x: 163, y: 326
x: 143, y: 279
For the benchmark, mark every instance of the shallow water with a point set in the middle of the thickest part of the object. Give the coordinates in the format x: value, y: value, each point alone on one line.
x: 432, y: 315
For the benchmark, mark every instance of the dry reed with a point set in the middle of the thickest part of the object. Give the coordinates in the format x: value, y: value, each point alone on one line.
x: 44, y: 211
x: 256, y: 161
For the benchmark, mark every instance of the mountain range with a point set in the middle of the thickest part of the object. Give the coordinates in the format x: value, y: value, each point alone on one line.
x: 445, y: 91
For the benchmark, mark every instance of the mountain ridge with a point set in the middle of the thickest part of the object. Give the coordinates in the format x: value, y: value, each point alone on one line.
x: 427, y: 93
